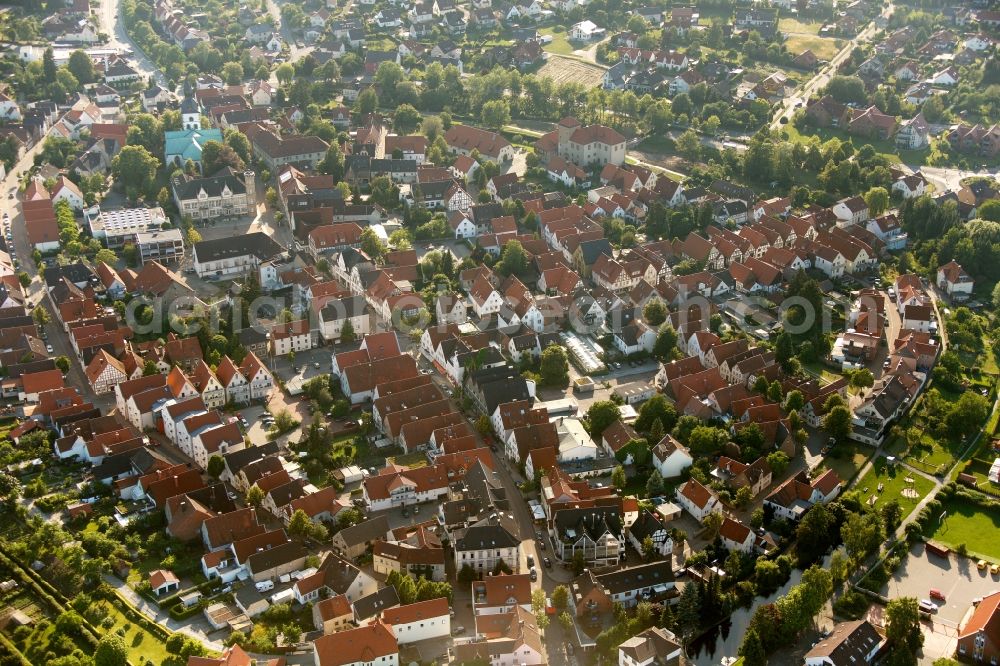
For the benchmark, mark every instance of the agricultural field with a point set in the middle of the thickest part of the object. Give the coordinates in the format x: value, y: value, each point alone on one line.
x: 567, y: 70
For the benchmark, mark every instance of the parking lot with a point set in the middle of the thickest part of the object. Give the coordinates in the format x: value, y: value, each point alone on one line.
x: 257, y: 432
x: 956, y: 577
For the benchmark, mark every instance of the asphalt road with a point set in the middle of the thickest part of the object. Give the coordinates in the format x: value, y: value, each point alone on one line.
x: 112, y: 25
x: 801, y: 96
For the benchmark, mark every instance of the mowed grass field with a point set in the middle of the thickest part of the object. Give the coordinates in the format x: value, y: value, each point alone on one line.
x: 848, y: 459
x: 559, y: 44
x: 823, y: 48
x: 894, y: 481
x: 795, y: 25
x: 564, y: 70
x: 969, y: 524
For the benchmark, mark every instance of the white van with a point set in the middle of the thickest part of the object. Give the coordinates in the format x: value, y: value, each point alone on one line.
x: 265, y: 586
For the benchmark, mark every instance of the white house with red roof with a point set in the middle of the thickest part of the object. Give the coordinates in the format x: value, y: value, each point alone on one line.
x: 66, y: 190
x: 257, y: 375
x: 698, y: 500
x: 954, y: 281
x: 736, y: 536
x: 419, y: 621
x: 373, y: 645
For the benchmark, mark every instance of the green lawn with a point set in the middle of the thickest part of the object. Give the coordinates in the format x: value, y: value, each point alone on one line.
x: 824, y: 48
x: 413, y: 460
x: 656, y: 143
x: 886, y: 148
x: 559, y: 44
x: 821, y: 372
x: 795, y: 25
x: 847, y: 459
x: 141, y: 644
x: 894, y: 482
x: 969, y: 524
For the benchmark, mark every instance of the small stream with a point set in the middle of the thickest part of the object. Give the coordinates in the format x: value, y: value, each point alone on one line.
x: 723, y: 640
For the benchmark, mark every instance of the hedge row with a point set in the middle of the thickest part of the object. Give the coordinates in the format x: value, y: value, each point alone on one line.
x: 180, y: 612
x: 133, y: 614
x: 204, y: 587
x: 49, y: 596
x: 6, y: 645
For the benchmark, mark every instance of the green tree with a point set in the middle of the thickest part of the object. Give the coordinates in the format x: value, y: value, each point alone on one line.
x: 707, y: 440
x: 406, y: 119
x: 111, y: 651
x: 744, y: 496
x: 255, y: 496
x: 794, y: 401
x: 812, y: 536
x: 216, y: 156
x: 967, y: 415
x: 232, y: 72
x: 654, y: 312
x: 371, y: 244
x: 333, y: 162
x: 135, y: 168
x: 688, y: 613
x: 838, y: 424
x: 665, y: 347
x: 301, y: 526
x: 862, y: 534
x: 513, y: 259
x: 618, y: 477
x: 752, y: 650
x: 656, y: 409
x: 285, y: 73
x: 778, y: 462
x: 216, y: 465
x: 862, y: 378
x: 104, y: 255
x: 712, y: 524
x: 902, y: 624
x: 63, y: 364
x: 367, y: 102
x: 601, y: 414
x: 384, y: 192
x: 566, y: 620
x: 892, y: 515
x: 689, y: 145
x: 10, y: 487
x: 406, y: 590
x: 989, y: 210
x: 877, y: 199
x: 554, y: 367
x: 654, y: 484
x: 495, y: 113
x: 49, y: 69
x: 347, y: 333
x: 82, y: 67
x: 560, y: 597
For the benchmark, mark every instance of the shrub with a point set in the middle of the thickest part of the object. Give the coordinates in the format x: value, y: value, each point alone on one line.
x: 851, y: 605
